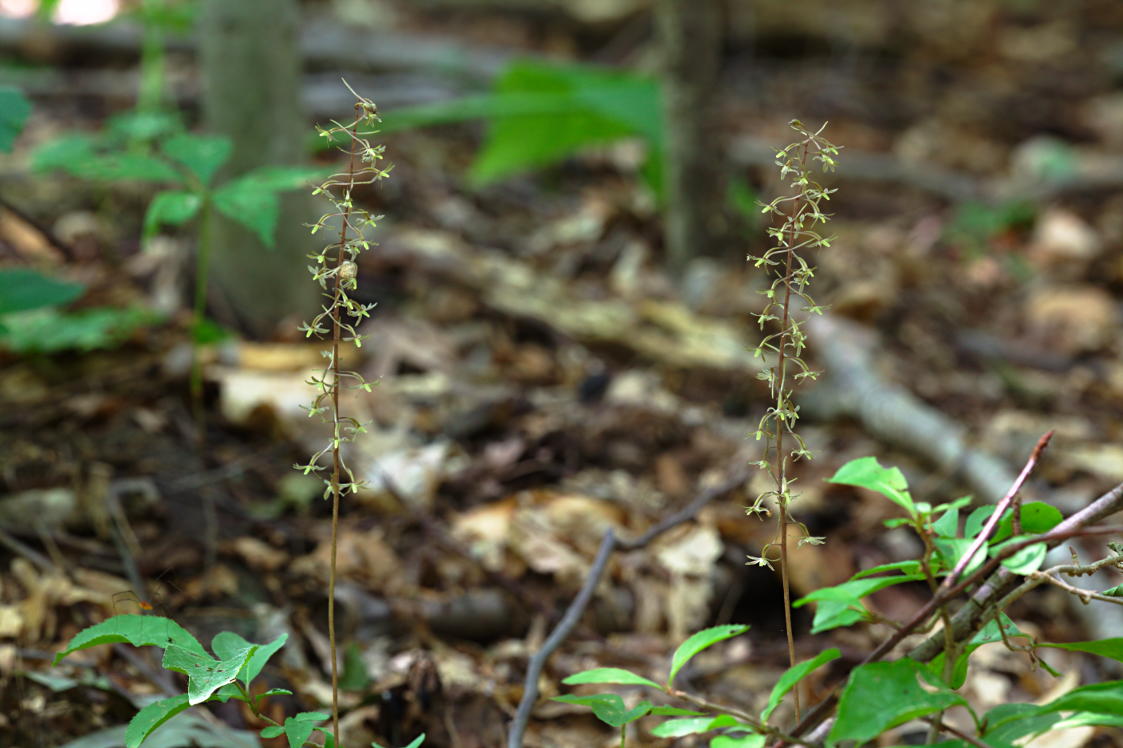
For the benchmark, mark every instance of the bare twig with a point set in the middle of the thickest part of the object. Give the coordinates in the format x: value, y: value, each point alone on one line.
x: 737, y: 477
x: 992, y: 523
x: 557, y: 636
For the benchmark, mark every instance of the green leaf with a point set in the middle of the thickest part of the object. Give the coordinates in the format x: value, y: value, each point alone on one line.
x: 248, y: 204
x: 881, y: 695
x: 227, y: 644
x: 205, y: 674
x: 298, y: 728
x: 140, y: 631
x: 132, y: 126
x: 152, y: 716
x: 63, y: 153
x: 855, y: 589
x: 692, y: 725
x: 50, y: 331
x: 699, y: 641
x: 1025, y: 561
x: 14, y: 108
x: 417, y: 741
x: 866, y: 472
x: 738, y: 741
x: 543, y: 113
x: 986, y: 635
x: 951, y: 550
x: 22, y: 289
x: 833, y: 614
x: 1111, y: 648
x: 285, y: 178
x: 911, y: 568
x: 609, y: 707
x: 794, y: 675
x: 948, y: 524
x: 172, y: 207
x: 203, y: 155
x: 1036, y: 516
x: 127, y: 166
x: 609, y: 675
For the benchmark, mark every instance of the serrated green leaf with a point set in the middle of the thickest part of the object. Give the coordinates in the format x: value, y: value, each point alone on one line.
x: 140, y: 631
x: 881, y: 695
x: 794, y: 675
x: 22, y: 289
x: 866, y: 472
x: 227, y: 644
x: 150, y: 717
x: 609, y: 675
x: 205, y: 674
x: 699, y: 641
x: 202, y: 155
x: 14, y: 108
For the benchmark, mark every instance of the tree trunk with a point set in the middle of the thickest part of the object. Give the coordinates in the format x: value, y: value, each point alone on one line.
x: 251, y: 94
x: 690, y: 35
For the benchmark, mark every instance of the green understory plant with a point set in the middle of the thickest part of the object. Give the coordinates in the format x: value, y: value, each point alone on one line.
x: 30, y: 319
x: 186, y: 165
x: 227, y: 671
x: 880, y: 695
x: 993, y: 555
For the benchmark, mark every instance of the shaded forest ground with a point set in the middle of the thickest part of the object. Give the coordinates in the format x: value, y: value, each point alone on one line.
x: 542, y: 380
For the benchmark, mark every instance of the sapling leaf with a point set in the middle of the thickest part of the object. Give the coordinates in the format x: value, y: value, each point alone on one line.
x: 609, y: 675
x: 881, y: 695
x: 152, y: 716
x: 22, y: 289
x: 609, y: 707
x: 202, y: 155
x: 948, y: 524
x: 677, y: 728
x: 833, y: 614
x: 285, y: 178
x: 987, y: 634
x: 245, y: 202
x: 794, y: 675
x: 1111, y: 648
x: 866, y: 472
x: 227, y: 644
x: 173, y: 207
x: 297, y: 728
x: 738, y: 741
x: 910, y: 568
x: 1025, y: 561
x: 140, y: 631
x: 699, y: 641
x: 952, y: 549
x: 14, y: 108
x: 205, y: 674
x: 1036, y: 517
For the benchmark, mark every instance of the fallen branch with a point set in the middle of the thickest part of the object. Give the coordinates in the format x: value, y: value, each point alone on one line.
x: 576, y: 609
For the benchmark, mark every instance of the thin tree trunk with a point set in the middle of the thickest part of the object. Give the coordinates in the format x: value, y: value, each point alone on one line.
x: 251, y: 79
x: 690, y: 35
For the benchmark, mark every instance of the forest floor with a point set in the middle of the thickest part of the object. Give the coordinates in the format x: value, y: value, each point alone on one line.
x: 542, y: 380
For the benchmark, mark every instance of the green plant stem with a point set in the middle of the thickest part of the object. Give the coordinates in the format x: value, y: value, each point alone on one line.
x: 337, y: 434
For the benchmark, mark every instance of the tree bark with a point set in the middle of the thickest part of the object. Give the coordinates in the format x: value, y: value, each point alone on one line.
x: 251, y: 94
x: 690, y: 35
